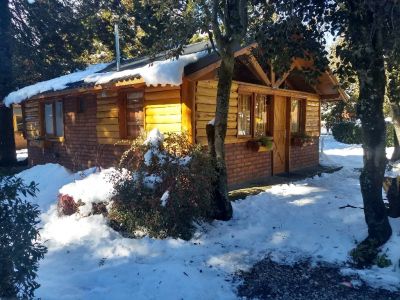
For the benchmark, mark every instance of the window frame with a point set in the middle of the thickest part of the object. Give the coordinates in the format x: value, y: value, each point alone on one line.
x: 54, y: 136
x: 123, y: 112
x: 301, y: 115
x: 252, y: 115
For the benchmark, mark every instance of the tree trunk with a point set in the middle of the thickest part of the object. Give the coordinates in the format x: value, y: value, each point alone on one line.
x: 217, y: 144
x: 7, y: 142
x: 394, y: 98
x: 372, y: 92
x: 392, y: 189
x: 396, y: 151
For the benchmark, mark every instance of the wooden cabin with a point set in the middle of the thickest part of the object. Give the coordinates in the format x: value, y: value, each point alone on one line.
x: 82, y: 125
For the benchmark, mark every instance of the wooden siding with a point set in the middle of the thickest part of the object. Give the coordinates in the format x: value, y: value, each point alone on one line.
x: 33, y: 127
x: 107, y: 125
x: 162, y: 107
x: 312, y: 122
x: 205, y: 104
x: 205, y: 99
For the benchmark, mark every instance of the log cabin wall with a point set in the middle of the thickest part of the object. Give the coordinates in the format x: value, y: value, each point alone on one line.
x: 162, y: 109
x: 79, y: 149
x: 90, y: 136
x: 244, y: 164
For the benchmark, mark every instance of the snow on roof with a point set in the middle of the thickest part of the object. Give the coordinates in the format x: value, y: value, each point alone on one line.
x: 159, y: 72
x: 55, y: 84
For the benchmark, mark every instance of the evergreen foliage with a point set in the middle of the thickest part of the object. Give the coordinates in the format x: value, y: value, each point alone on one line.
x: 162, y: 189
x: 20, y: 249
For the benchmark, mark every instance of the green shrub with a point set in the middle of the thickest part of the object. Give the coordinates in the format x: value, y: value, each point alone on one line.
x: 390, y: 135
x: 162, y: 188
x: 350, y: 133
x: 347, y: 133
x: 20, y: 249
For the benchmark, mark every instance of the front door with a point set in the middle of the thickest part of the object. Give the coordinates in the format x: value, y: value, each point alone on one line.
x: 279, y: 134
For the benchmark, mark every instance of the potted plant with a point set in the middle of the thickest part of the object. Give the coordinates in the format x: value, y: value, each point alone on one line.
x: 302, y: 140
x: 261, y: 144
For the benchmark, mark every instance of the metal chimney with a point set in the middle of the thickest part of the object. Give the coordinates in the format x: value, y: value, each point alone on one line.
x: 117, y: 50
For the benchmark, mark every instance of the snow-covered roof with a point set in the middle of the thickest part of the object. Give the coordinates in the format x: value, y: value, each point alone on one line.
x: 161, y: 71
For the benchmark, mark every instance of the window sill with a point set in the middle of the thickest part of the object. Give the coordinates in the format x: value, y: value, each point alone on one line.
x: 55, y: 139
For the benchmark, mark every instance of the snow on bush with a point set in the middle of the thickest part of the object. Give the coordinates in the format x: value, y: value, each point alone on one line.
x: 169, y: 187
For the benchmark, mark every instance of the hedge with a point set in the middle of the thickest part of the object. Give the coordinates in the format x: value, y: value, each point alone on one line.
x: 350, y: 133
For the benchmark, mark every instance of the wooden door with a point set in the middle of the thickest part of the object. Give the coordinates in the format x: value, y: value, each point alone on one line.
x: 280, y: 135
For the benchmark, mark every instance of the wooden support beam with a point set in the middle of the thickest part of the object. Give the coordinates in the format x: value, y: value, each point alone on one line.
x: 256, y: 68
x: 284, y: 77
x: 273, y: 79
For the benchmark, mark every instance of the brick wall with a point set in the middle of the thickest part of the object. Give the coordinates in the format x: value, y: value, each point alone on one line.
x: 304, y: 157
x: 80, y: 149
x: 244, y: 164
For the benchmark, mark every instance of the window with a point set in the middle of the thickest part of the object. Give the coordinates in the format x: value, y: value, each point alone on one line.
x: 296, y: 110
x: 134, y: 116
x: 244, y: 115
x: 54, y: 119
x: 253, y: 115
x: 260, y: 115
x: 80, y: 105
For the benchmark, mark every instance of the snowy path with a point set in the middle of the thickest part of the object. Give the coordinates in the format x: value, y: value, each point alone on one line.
x: 88, y: 260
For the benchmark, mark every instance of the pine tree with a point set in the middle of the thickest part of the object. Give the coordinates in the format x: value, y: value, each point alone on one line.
x: 7, y: 143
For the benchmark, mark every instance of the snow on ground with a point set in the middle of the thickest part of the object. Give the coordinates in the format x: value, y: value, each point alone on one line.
x: 88, y: 260
x: 22, y: 154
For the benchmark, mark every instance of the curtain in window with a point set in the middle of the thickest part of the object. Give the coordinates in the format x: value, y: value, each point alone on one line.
x: 260, y: 115
x: 244, y: 115
x: 59, y: 119
x: 48, y: 118
x: 295, y: 116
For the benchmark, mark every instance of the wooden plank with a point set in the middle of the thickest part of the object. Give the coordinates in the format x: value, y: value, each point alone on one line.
x: 107, y: 108
x: 108, y: 141
x: 109, y: 114
x: 213, y: 84
x: 107, y: 127
x: 166, y: 110
x: 254, y: 88
x: 209, y: 116
x: 161, y: 103
x: 212, y: 100
x: 107, y: 94
x: 175, y: 127
x: 208, y: 108
x: 163, y: 119
x: 108, y: 134
x: 163, y: 95
x: 212, y: 92
x: 201, y: 132
x: 188, y: 92
x: 110, y: 101
x: 31, y: 104
x: 151, y: 89
x: 107, y: 121
x: 203, y: 124
x: 228, y: 140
